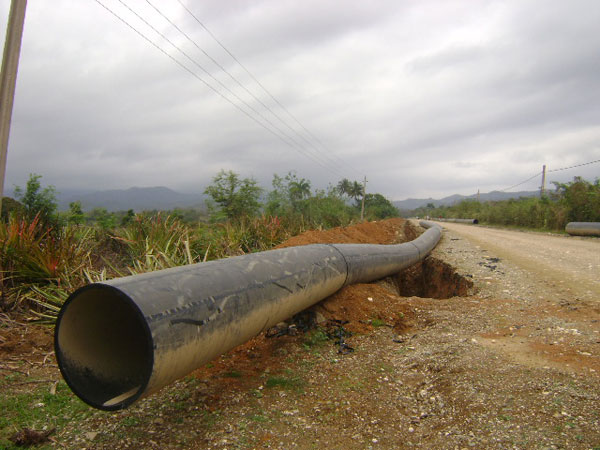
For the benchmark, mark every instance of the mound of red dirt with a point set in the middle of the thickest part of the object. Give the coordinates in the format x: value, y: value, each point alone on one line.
x: 391, y: 231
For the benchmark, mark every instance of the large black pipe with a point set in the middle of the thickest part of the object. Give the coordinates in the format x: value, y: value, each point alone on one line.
x: 123, y: 339
x: 583, y: 228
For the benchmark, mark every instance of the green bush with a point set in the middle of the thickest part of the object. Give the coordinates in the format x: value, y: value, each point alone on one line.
x: 156, y: 242
x: 576, y: 201
x: 33, y: 254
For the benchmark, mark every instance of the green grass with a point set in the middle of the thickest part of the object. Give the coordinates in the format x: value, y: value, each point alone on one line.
x: 130, y: 421
x: 352, y: 384
x: 259, y: 418
x: 378, y: 322
x: 210, y: 418
x: 314, y: 339
x: 381, y: 367
x: 233, y: 374
x: 292, y: 383
x: 36, y: 408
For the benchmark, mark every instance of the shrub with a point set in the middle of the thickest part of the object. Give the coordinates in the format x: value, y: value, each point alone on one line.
x: 156, y: 242
x: 32, y: 254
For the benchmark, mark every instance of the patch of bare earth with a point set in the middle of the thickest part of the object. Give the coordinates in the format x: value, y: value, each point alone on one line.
x: 476, y: 347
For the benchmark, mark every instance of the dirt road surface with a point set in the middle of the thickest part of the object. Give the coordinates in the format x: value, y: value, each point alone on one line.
x: 493, y: 342
x: 570, y: 261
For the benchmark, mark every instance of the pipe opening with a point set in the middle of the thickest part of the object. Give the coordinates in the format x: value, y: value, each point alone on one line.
x: 104, y: 347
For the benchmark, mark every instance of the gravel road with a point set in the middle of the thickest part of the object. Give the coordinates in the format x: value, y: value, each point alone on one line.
x: 568, y: 260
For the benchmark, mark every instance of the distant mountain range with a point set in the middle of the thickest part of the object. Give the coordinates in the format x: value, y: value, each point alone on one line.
x: 414, y: 203
x: 138, y: 199
x: 163, y: 198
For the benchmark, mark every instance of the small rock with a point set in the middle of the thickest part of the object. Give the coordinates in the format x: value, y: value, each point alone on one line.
x: 91, y: 435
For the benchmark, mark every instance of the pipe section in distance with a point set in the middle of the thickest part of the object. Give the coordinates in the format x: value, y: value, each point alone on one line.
x: 468, y: 221
x: 123, y: 339
x: 583, y: 228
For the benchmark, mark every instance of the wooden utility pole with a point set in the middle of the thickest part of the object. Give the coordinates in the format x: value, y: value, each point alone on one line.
x: 362, y: 209
x: 8, y: 79
x: 543, y: 188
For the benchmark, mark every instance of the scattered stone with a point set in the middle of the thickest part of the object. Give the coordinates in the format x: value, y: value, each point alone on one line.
x: 91, y: 435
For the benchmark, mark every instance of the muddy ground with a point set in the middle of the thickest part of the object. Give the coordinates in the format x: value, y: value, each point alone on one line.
x: 477, y: 347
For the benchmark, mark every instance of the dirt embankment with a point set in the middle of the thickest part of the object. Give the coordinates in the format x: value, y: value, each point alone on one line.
x: 390, y: 231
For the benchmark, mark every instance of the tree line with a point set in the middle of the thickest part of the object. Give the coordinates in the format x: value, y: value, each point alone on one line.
x: 575, y: 201
x: 231, y: 198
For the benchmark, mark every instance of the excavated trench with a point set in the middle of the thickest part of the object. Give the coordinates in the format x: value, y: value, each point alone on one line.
x: 431, y: 278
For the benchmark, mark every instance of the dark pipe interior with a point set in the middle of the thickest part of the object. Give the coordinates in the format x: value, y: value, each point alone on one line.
x: 104, y: 347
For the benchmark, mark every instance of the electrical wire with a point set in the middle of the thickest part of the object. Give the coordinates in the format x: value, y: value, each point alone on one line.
x: 338, y: 160
x: 195, y: 75
x: 550, y: 171
x: 572, y: 167
x: 522, y: 182
x: 316, y: 154
x: 239, y: 83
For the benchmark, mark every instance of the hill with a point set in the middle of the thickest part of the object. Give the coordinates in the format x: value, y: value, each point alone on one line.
x: 136, y: 198
x: 413, y: 203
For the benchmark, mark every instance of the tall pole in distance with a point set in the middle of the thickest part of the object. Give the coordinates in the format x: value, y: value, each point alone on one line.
x: 362, y: 209
x: 543, y: 188
x: 8, y: 79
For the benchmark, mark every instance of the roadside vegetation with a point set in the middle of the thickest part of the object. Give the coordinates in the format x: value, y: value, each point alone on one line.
x: 575, y: 201
x: 46, y: 254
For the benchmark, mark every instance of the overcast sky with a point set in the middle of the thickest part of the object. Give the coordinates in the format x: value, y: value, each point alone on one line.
x: 425, y: 98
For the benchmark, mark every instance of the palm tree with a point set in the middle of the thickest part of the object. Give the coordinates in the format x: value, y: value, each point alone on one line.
x: 356, y: 191
x: 299, y: 190
x: 344, y: 186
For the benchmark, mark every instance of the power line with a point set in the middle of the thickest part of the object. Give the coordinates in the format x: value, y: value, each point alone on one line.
x: 318, y: 154
x: 522, y: 182
x: 195, y: 75
x: 333, y: 155
x: 572, y: 167
x: 239, y: 83
x: 549, y: 171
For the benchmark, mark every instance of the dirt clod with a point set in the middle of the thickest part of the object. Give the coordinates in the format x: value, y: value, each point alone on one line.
x: 27, y: 437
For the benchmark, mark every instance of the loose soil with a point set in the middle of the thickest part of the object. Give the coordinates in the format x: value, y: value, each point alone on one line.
x: 485, y: 344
